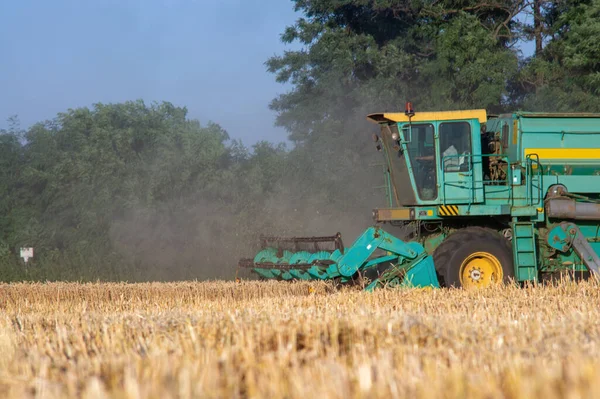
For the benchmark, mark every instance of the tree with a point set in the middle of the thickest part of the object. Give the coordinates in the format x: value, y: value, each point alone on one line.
x: 563, y: 75
x: 11, y: 164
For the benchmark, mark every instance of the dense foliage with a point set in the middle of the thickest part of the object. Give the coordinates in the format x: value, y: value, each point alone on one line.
x: 140, y: 192
x: 127, y: 191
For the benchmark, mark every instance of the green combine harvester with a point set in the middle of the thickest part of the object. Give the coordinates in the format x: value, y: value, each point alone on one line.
x: 485, y: 199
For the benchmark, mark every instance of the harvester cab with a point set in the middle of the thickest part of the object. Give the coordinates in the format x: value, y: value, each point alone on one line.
x: 487, y: 199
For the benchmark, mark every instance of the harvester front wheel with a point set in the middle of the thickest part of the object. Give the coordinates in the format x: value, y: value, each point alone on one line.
x: 474, y: 257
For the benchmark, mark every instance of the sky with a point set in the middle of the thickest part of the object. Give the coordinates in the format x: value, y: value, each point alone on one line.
x: 206, y: 55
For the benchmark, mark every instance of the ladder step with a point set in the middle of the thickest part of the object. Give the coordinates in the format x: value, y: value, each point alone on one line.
x: 525, y: 251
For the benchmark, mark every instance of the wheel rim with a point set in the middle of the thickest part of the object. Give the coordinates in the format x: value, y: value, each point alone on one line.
x: 480, y: 270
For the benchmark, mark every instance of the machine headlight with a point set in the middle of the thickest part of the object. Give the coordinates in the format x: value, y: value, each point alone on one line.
x: 395, y: 136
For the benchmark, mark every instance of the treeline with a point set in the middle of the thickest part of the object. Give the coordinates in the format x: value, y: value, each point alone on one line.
x: 140, y: 192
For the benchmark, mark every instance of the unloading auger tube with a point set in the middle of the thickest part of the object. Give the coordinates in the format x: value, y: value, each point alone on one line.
x: 409, y: 264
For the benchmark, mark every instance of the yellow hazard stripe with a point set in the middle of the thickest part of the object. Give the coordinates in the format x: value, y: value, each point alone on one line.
x: 564, y: 153
x: 448, y: 210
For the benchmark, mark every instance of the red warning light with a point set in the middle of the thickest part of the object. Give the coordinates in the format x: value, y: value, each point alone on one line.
x: 409, y: 110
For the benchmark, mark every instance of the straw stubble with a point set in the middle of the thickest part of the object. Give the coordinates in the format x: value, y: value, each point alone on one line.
x: 297, y: 340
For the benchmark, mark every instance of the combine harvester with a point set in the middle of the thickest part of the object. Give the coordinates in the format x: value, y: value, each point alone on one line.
x: 487, y: 200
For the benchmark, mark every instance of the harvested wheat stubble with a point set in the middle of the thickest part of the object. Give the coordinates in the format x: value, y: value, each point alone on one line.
x: 297, y: 340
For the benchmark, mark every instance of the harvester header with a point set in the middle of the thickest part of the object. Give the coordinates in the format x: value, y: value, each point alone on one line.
x: 485, y: 199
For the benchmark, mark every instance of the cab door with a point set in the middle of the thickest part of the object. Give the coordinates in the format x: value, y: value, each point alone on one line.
x: 461, y: 165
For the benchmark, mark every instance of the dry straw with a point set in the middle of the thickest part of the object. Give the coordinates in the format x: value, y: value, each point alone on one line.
x: 282, y: 340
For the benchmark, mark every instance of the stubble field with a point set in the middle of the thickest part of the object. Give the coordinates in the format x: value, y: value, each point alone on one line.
x: 298, y: 340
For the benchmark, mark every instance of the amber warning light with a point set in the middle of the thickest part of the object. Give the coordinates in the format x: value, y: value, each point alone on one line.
x: 409, y: 110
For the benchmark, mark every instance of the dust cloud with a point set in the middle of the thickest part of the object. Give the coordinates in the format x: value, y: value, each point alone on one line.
x: 196, y: 238
x: 199, y: 239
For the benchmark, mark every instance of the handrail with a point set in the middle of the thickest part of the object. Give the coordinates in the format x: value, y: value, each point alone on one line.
x: 529, y: 162
x: 474, y: 183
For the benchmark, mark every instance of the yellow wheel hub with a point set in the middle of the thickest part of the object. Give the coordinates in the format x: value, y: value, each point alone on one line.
x: 480, y: 270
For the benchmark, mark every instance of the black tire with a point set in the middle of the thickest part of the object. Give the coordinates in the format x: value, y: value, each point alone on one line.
x: 454, y: 250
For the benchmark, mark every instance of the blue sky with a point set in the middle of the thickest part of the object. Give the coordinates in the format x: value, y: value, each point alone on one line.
x: 207, y: 55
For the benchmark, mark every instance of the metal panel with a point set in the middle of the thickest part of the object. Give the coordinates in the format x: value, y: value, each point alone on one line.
x: 382, y: 215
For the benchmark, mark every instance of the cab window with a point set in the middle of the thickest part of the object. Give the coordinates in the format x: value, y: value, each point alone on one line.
x: 455, y: 146
x: 421, y: 151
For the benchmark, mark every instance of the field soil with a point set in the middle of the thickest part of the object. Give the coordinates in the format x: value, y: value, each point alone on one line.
x: 297, y: 340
